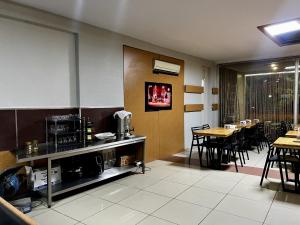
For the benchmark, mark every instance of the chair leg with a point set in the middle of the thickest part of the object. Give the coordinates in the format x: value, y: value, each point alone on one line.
x: 247, y: 154
x: 234, y: 158
x: 280, y: 170
x: 285, y: 166
x: 190, y: 154
x: 207, y: 151
x: 199, y: 153
x: 241, y: 160
x: 243, y: 157
x: 267, y: 172
x: 267, y: 165
x: 200, y: 156
x: 296, y: 177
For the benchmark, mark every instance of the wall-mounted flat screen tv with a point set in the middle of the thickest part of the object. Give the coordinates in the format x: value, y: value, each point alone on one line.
x: 158, y: 96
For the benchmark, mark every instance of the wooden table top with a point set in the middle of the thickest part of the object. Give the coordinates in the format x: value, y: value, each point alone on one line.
x: 215, y: 132
x: 292, y: 133
x: 286, y: 142
x: 11, y: 215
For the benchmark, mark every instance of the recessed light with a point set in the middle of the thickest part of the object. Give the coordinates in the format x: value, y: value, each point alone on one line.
x: 291, y: 67
x: 283, y: 33
x: 282, y: 28
x: 273, y: 64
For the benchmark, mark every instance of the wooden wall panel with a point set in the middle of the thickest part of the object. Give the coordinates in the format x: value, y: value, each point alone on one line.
x: 193, y: 89
x: 8, y: 159
x: 215, y: 107
x: 215, y: 91
x: 193, y: 107
x: 164, y: 129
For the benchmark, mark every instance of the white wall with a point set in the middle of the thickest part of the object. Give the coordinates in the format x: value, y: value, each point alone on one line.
x: 37, y: 66
x: 101, y: 65
x: 201, y: 75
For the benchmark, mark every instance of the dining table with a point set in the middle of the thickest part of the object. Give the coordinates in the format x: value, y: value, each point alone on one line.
x: 292, y: 133
x: 218, y: 132
x: 282, y: 144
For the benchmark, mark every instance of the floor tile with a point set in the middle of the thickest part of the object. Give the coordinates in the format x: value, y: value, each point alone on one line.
x: 216, y: 184
x: 138, y: 181
x: 201, y: 197
x: 182, y: 213
x: 280, y: 215
x: 151, y: 220
x: 184, y: 178
x: 287, y: 200
x: 251, y: 180
x: 160, y: 172
x: 84, y: 207
x: 63, y: 201
x: 250, y: 209
x: 158, y: 163
x: 229, y: 176
x: 38, y: 210
x: 116, y: 214
x: 114, y: 192
x: 166, y: 188
x: 146, y: 202
x: 53, y: 218
x: 253, y: 193
x: 218, y: 217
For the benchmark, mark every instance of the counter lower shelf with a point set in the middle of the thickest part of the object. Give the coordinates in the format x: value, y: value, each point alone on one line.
x: 66, y: 186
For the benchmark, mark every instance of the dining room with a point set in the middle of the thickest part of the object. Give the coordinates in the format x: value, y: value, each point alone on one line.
x: 149, y: 112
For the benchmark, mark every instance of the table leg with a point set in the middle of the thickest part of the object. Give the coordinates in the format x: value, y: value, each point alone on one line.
x: 49, y: 185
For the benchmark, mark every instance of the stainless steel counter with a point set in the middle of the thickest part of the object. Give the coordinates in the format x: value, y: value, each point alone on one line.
x: 51, y: 153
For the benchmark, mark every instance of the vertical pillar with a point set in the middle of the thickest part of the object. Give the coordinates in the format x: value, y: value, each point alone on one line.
x: 296, y: 110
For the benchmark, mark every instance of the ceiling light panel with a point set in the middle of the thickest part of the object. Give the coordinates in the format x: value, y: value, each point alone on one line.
x: 283, y: 33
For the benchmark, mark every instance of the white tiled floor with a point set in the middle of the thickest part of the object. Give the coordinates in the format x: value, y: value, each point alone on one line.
x: 173, y: 193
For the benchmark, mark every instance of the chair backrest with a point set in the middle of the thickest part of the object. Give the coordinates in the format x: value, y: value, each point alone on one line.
x: 289, y: 125
x: 241, y: 136
x: 232, y: 139
x: 195, y: 137
x: 205, y: 126
x: 196, y: 128
x: 269, y: 142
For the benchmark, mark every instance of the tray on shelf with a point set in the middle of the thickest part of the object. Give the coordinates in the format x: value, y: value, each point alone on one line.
x: 66, y: 186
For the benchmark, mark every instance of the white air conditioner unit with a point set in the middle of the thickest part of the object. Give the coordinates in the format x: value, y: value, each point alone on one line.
x: 166, y: 68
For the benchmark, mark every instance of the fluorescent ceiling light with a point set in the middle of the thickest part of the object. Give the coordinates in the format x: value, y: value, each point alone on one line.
x: 282, y: 28
x: 270, y: 73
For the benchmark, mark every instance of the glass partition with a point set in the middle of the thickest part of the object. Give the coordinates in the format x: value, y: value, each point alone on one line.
x: 263, y: 90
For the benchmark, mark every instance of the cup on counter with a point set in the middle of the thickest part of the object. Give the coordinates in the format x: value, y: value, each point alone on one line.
x: 28, y: 147
x: 35, y: 146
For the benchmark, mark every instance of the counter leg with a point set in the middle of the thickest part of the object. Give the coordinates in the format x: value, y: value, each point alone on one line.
x: 49, y: 185
x: 143, y: 152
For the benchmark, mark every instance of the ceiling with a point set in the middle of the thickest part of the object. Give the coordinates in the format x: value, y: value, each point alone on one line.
x: 218, y: 30
x: 264, y: 66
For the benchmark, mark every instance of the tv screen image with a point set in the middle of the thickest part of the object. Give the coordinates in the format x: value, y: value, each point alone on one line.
x: 158, y: 96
